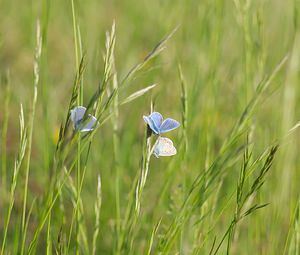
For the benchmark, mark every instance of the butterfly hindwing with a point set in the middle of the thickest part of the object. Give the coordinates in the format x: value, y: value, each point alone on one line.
x: 90, y: 125
x: 77, y: 115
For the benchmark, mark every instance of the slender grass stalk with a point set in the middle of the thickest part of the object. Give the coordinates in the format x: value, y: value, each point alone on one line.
x: 243, y: 9
x: 7, y: 95
x: 244, y: 200
x: 288, y: 117
x: 184, y: 121
x: 29, y: 214
x: 116, y: 145
x: 30, y: 128
x: 184, y: 112
x: 17, y: 167
x: 239, y: 197
x: 49, y: 239
x: 78, y: 50
x: 75, y: 35
x: 78, y: 178
x: 292, y: 245
x: 78, y: 205
x: 97, y: 213
x: 147, y: 153
x: 45, y: 104
x: 154, y: 232
x: 134, y: 204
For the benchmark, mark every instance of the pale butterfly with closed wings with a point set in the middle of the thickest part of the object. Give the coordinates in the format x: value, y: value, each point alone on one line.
x: 76, y: 117
x: 164, y: 147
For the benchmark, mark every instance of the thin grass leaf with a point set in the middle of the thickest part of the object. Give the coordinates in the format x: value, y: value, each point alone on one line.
x: 158, y: 48
x: 153, y: 234
x: 137, y: 94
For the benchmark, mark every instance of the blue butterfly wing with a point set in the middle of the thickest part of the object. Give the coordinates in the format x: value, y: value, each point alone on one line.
x: 152, y: 121
x: 77, y: 115
x: 157, y: 119
x: 91, y: 123
x: 168, y: 125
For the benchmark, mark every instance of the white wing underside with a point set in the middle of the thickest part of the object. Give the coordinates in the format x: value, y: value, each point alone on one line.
x: 164, y: 147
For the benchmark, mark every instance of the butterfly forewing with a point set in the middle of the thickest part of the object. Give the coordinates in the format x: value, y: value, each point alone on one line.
x: 77, y: 114
x: 168, y: 125
x: 157, y: 119
x: 157, y: 125
x: 151, y: 124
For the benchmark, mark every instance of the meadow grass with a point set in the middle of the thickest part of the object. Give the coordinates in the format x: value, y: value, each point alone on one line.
x: 228, y: 71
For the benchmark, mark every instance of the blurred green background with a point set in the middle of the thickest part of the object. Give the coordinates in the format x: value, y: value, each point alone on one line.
x: 225, y: 48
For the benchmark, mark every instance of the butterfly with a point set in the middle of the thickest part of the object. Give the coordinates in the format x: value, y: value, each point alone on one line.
x: 77, y: 115
x: 164, y: 147
x: 158, y: 125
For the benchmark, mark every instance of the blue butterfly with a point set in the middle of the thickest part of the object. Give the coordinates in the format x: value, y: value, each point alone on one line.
x: 77, y: 115
x: 157, y: 125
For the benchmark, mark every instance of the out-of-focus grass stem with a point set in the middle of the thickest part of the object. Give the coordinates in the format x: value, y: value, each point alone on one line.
x: 116, y: 145
x: 4, y: 132
x: 17, y: 166
x: 78, y: 50
x: 30, y: 128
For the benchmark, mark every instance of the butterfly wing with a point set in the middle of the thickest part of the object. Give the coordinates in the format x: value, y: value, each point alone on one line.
x: 77, y: 115
x: 168, y: 125
x: 91, y: 123
x: 164, y: 147
x: 154, y: 121
x: 157, y: 118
